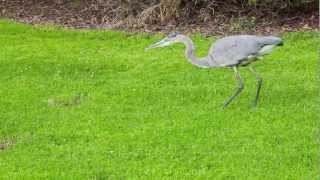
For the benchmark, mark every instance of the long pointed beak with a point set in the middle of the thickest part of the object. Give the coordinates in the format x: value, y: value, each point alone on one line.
x: 161, y: 43
x: 155, y: 45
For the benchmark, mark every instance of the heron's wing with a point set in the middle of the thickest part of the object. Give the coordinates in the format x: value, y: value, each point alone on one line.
x: 233, y: 50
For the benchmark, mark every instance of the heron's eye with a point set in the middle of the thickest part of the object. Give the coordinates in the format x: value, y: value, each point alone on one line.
x: 172, y: 35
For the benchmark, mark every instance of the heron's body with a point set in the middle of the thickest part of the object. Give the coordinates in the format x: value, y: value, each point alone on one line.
x: 230, y: 51
x: 237, y: 50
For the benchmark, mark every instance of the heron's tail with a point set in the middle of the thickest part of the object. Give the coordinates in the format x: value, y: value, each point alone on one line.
x: 272, y: 40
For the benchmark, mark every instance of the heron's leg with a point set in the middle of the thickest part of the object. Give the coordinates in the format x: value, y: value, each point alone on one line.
x: 259, y: 84
x: 239, y: 89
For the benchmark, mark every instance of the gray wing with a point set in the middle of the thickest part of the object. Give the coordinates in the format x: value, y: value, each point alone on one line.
x: 232, y: 50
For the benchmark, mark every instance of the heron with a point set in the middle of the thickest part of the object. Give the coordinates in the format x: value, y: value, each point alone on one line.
x: 228, y: 52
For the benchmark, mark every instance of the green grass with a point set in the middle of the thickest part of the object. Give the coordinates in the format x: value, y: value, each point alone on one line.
x: 151, y: 115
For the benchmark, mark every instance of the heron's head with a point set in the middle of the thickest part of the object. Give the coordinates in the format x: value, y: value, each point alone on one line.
x: 170, y: 39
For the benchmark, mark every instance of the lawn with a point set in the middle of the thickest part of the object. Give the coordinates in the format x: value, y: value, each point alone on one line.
x: 95, y: 105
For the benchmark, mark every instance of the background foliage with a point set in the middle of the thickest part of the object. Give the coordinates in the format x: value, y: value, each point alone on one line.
x: 213, y: 16
x: 153, y: 11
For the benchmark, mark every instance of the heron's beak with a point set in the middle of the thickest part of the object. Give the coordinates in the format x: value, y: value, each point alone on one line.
x: 161, y: 43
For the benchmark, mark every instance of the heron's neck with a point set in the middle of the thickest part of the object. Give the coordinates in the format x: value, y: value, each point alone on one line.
x: 190, y: 54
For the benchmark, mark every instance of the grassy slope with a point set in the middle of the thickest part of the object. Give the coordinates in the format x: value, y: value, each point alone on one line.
x: 151, y: 114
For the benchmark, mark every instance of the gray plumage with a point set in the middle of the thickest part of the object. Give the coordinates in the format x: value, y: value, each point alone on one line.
x: 231, y: 51
x: 235, y: 50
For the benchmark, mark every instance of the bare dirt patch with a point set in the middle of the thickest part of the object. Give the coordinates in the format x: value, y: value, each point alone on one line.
x: 67, y: 102
x: 5, y: 144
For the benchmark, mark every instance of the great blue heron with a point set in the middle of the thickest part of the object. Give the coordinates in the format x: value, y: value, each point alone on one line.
x: 231, y: 52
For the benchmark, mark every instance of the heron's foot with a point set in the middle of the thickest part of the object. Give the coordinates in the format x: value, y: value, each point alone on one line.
x: 226, y: 103
x: 254, y: 104
x: 224, y: 106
